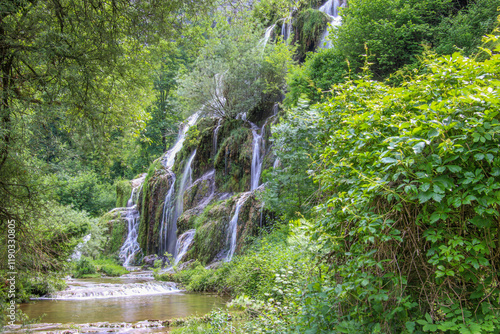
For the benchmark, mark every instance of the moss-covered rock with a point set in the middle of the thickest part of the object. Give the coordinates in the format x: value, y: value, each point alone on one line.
x: 200, y: 191
x: 308, y: 28
x: 123, y: 191
x: 211, y: 232
x: 211, y: 241
x: 115, y: 231
x: 154, y: 190
x: 233, y: 161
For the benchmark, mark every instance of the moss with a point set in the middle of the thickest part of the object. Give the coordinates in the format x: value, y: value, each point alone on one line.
x: 211, y: 232
x: 117, y: 237
x: 154, y: 190
x: 309, y: 26
x: 123, y: 191
x: 200, y: 138
x: 233, y: 161
x: 115, y: 232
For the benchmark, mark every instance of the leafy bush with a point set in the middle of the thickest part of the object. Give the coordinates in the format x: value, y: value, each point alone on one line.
x: 413, y: 178
x: 290, y: 190
x: 393, y: 33
x: 311, y: 80
x: 86, y: 192
x: 109, y: 267
x: 84, y: 267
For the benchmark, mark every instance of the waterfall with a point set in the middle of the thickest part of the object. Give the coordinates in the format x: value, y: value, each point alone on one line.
x: 256, y: 156
x: 186, y: 181
x: 267, y: 35
x: 331, y: 8
x: 169, y: 158
x: 286, y: 27
x: 183, y: 244
x: 233, y: 226
x: 130, y: 247
x: 167, y: 217
x: 216, y: 132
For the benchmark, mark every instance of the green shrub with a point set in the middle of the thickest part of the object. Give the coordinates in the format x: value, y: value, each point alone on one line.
x: 412, y: 176
x: 84, y: 267
x: 311, y: 80
x: 109, y: 267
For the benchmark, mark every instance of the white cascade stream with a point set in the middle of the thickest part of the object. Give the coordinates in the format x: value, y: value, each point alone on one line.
x: 232, y: 232
x: 169, y: 158
x: 331, y: 8
x: 131, y: 247
x: 185, y: 182
x: 168, y: 216
x: 257, y: 160
x: 183, y: 244
x: 110, y: 290
x: 216, y: 133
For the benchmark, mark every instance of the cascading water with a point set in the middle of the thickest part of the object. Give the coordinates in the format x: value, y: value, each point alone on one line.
x: 232, y: 232
x: 256, y: 156
x: 169, y: 158
x: 131, y: 247
x: 183, y: 244
x: 276, y: 163
x: 331, y: 8
x: 106, y: 290
x: 185, y: 182
x: 263, y: 42
x: 286, y: 27
x: 168, y: 216
x: 216, y: 132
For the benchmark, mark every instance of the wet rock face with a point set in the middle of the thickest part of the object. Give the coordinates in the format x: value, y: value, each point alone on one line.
x: 211, y: 232
x: 211, y: 241
x: 201, y: 192
x: 151, y: 209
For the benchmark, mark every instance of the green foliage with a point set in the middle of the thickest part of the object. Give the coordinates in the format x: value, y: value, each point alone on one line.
x: 268, y: 12
x: 86, y: 192
x: 264, y: 271
x: 117, y: 237
x: 84, y: 268
x: 309, y: 26
x: 290, y: 190
x: 316, y: 76
x: 394, y: 32
x: 109, y: 267
x: 234, y: 71
x: 465, y: 30
x: 123, y: 191
x: 412, y: 178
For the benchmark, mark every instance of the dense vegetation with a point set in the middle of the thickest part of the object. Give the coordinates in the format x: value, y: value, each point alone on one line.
x: 384, y: 201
